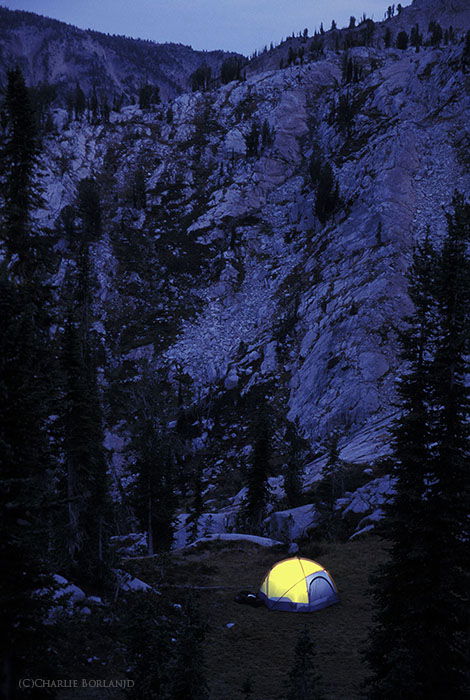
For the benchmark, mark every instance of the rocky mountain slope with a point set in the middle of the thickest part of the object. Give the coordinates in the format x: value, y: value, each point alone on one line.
x: 55, y: 53
x: 223, y: 277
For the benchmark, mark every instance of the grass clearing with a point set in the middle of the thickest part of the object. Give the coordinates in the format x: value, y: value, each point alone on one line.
x: 260, y: 645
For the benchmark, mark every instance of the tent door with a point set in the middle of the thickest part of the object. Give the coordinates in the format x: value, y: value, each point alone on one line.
x: 319, y: 588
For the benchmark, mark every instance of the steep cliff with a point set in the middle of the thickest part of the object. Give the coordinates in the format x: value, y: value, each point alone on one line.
x: 229, y: 278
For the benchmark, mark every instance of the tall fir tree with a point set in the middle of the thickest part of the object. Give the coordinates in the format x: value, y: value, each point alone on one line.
x: 448, y: 496
x: 257, y: 495
x: 85, y: 483
x: 189, y: 671
x: 150, y: 447
x: 303, y: 678
x: 197, y: 505
x: 417, y: 646
x: 21, y: 193
x: 327, y: 197
x: 293, y: 482
x: 85, y: 480
x: 26, y: 396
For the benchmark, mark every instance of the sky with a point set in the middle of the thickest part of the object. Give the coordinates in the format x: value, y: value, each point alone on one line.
x: 232, y: 25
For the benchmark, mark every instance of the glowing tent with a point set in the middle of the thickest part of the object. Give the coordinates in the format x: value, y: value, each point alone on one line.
x: 298, y: 585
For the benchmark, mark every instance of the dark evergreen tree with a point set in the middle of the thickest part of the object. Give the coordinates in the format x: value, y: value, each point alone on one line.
x: 331, y: 487
x: 20, y: 190
x: 346, y: 109
x: 200, y: 79
x: 316, y: 47
x: 448, y: 495
x: 291, y: 56
x: 85, y: 485
x: 139, y: 189
x: 247, y: 688
x: 303, y: 678
x: 105, y: 110
x: 436, y: 33
x: 93, y: 110
x: 294, y: 466
x: 466, y: 53
x: 149, y: 95
x: 327, y: 197
x: 315, y: 166
x: 252, y: 140
x: 89, y: 210
x: 27, y: 393
x: 257, y: 477
x: 189, y: 671
x: 151, y: 450
x: 79, y: 102
x: 417, y: 647
x: 231, y: 69
x: 416, y: 39
x: 197, y: 505
x: 397, y: 649
x: 387, y: 38
x: 146, y: 629
x: 267, y: 134
x: 402, y: 40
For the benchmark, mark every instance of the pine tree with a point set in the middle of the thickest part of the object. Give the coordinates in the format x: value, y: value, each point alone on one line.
x: 402, y: 40
x: 435, y: 30
x: 247, y: 688
x: 231, y: 69
x: 149, y: 95
x: 153, y: 493
x: 145, y: 627
x: 138, y: 189
x: 189, y: 672
x: 19, y: 183
x: 293, y: 468
x: 267, y: 134
x: 152, y: 454
x: 397, y: 644
x: 303, y: 679
x: 257, y: 477
x: 331, y: 487
x: 448, y: 496
x: 79, y: 102
x: 252, y: 140
x: 85, y: 480
x: 94, y: 107
x: 27, y: 392
x: 89, y: 211
x: 416, y: 39
x: 417, y: 646
x: 327, y: 198
x: 200, y: 78
x: 197, y: 506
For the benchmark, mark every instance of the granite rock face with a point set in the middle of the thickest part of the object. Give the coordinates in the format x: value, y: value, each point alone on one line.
x: 257, y: 288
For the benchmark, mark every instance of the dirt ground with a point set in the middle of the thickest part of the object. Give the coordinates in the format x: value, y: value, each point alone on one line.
x: 260, y: 644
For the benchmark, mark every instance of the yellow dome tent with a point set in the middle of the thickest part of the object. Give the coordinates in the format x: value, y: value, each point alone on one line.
x: 298, y: 585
